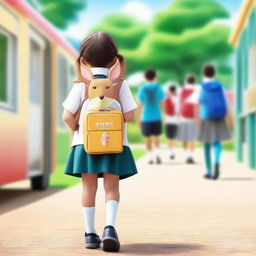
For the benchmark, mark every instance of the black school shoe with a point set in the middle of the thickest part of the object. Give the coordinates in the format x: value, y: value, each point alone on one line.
x: 208, y: 176
x: 158, y: 160
x: 190, y: 160
x: 92, y: 241
x: 216, y: 173
x: 110, y: 240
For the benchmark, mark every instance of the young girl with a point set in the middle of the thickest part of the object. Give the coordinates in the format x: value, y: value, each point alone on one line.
x: 213, y: 126
x: 171, y: 110
x: 98, y: 52
x: 187, y: 127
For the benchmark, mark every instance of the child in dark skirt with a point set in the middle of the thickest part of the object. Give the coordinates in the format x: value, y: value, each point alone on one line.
x: 150, y: 97
x: 171, y: 109
x: 99, y: 52
x: 214, y: 115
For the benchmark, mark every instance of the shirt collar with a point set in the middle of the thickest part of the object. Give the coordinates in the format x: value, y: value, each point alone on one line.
x: 100, y: 71
x: 207, y: 79
x: 189, y: 86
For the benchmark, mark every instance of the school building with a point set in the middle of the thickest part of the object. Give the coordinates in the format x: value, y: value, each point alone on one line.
x: 243, y: 38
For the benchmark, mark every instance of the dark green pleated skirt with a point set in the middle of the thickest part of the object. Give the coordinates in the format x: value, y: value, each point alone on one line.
x: 121, y: 164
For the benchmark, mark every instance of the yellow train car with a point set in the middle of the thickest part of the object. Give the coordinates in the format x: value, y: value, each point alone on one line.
x: 37, y: 67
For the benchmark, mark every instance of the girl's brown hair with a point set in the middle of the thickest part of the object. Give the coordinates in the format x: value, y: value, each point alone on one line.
x: 99, y: 49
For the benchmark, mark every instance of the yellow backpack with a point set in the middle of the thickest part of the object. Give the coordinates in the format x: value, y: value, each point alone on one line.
x: 102, y: 129
x: 103, y: 132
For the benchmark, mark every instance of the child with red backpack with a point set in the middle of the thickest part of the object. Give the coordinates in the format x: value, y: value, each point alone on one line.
x: 171, y: 118
x: 213, y: 114
x: 188, y: 128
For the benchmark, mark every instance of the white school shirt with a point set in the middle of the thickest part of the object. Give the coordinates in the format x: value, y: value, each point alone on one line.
x: 76, y: 96
x: 196, y: 88
x: 174, y: 119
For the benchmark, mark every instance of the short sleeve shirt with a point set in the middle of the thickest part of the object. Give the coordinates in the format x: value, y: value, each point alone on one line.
x: 150, y: 95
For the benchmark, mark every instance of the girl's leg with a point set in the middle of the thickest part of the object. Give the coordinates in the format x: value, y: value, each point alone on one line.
x: 191, y: 149
x: 217, y: 152
x: 112, y: 196
x: 185, y: 148
x: 207, y: 157
x: 90, y: 185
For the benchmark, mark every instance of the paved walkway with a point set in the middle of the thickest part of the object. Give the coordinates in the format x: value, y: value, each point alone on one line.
x: 165, y: 210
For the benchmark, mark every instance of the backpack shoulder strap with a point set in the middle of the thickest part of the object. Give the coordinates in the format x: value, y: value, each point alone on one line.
x: 77, y: 115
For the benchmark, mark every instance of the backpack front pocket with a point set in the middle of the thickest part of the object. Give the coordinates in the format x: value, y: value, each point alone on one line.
x: 104, y: 142
x: 103, y: 132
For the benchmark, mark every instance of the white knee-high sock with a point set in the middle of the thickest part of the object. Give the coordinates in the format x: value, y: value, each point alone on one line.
x: 89, y: 218
x: 111, y: 212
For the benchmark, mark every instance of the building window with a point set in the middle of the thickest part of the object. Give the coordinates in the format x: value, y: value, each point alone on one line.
x: 8, y: 72
x: 71, y: 76
x: 63, y: 80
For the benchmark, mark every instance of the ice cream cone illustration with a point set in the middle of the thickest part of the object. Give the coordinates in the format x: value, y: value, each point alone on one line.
x: 104, y: 139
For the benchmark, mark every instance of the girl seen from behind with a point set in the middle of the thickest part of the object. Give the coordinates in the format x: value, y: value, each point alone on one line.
x: 215, y: 118
x: 99, y: 56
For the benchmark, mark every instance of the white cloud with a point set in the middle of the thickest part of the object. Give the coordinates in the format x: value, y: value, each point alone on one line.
x: 139, y: 10
x: 232, y: 21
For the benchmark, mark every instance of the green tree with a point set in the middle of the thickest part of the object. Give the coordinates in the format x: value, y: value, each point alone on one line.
x: 60, y: 13
x: 127, y: 31
x: 180, y: 39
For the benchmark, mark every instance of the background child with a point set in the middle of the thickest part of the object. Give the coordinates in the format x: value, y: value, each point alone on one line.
x: 171, y: 110
x: 150, y: 96
x: 213, y: 114
x: 99, y: 52
x: 187, y: 128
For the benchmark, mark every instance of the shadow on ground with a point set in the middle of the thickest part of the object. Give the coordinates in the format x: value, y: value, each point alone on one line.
x: 238, y: 179
x: 181, y: 163
x: 158, y: 248
x: 11, y: 199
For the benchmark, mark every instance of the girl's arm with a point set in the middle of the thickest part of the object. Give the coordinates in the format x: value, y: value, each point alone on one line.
x: 138, y: 113
x: 70, y: 120
x: 129, y: 116
x: 229, y: 119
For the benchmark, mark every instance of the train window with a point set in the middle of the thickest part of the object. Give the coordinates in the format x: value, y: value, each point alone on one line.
x: 8, y: 72
x: 63, y: 80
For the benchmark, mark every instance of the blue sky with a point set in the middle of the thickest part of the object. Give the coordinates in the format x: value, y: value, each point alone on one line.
x: 97, y: 9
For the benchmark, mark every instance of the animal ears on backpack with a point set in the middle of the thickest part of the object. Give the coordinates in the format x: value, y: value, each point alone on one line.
x: 86, y: 73
x: 115, y: 72
x: 113, y: 76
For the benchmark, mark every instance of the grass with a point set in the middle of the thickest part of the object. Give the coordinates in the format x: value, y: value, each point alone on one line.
x: 59, y: 179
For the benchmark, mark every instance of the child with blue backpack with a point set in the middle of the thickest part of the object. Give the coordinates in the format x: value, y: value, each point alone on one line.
x: 213, y: 113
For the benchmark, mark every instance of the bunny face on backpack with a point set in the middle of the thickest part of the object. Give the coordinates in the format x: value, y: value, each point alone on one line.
x: 102, y: 123
x: 101, y: 91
